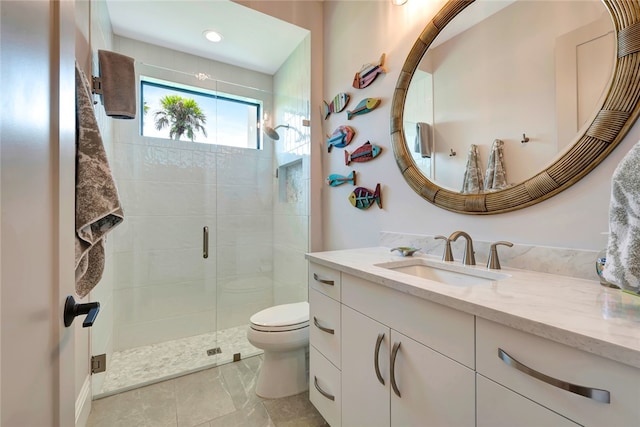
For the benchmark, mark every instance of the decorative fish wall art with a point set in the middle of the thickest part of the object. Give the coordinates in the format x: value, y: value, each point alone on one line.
x: 334, y: 179
x: 363, y: 107
x: 338, y: 104
x: 341, y: 137
x: 364, y: 153
x: 368, y: 73
x: 362, y: 198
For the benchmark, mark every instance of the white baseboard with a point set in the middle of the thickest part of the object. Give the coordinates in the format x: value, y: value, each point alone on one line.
x: 83, y: 403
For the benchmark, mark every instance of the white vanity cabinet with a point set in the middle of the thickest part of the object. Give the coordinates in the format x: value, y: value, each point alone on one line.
x: 389, y: 379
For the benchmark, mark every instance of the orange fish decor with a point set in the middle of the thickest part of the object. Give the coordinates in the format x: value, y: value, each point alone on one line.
x: 368, y: 73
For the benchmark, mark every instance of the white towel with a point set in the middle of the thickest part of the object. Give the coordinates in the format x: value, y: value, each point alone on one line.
x: 422, y: 143
x: 472, y: 181
x: 495, y: 177
x: 98, y: 209
x: 622, y: 267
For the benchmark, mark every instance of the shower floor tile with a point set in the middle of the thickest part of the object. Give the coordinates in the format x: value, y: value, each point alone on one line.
x: 149, y: 364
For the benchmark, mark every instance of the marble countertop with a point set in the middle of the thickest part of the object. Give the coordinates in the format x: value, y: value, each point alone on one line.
x: 577, y: 312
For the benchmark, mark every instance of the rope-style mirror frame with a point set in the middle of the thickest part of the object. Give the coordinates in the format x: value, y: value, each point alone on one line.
x: 612, y: 122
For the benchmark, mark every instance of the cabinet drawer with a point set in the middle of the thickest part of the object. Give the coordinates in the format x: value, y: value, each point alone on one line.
x: 324, y: 326
x: 324, y: 387
x: 562, y: 364
x: 448, y: 331
x: 498, y: 406
x: 325, y: 280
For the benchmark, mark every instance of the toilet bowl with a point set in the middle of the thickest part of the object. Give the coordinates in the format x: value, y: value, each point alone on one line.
x: 282, y: 332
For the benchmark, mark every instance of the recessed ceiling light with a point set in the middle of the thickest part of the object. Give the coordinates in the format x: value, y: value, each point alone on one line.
x: 213, y: 36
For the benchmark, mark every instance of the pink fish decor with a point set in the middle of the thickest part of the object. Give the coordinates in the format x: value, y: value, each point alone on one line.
x: 362, y: 198
x: 341, y: 137
x: 368, y: 73
x: 363, y: 107
x: 338, y: 104
x: 364, y: 153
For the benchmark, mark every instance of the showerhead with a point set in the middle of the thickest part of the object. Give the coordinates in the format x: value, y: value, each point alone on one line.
x: 272, y: 133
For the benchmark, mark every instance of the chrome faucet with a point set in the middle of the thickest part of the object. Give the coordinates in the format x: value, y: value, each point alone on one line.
x: 447, y: 255
x: 469, y: 255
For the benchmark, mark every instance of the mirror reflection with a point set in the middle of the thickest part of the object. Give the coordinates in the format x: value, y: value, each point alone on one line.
x: 507, y: 83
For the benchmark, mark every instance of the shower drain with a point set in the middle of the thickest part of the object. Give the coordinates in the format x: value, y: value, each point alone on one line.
x: 214, y: 351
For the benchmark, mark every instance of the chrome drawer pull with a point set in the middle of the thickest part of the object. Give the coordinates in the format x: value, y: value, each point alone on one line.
x: 325, y: 281
x: 322, y: 392
x: 322, y: 328
x: 592, y: 393
x: 376, y: 354
x: 394, y: 353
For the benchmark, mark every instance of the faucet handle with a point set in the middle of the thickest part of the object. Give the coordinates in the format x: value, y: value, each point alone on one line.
x: 448, y: 254
x: 493, y: 262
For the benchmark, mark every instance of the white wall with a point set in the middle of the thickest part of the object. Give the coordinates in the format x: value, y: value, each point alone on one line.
x: 572, y: 219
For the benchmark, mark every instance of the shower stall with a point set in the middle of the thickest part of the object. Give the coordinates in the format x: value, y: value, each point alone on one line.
x: 212, y: 233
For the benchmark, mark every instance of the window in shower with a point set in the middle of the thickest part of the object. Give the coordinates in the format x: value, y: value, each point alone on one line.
x: 188, y: 113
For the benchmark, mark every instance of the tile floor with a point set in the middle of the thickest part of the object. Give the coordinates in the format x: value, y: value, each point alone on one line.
x: 223, y: 396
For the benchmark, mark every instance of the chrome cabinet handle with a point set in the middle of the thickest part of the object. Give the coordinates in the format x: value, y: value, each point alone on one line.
x: 592, y: 393
x: 376, y: 354
x: 322, y: 392
x: 394, y: 353
x: 205, y: 242
x: 325, y: 281
x: 322, y: 328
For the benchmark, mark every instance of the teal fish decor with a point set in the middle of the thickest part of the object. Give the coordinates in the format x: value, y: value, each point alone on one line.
x: 334, y: 179
x: 340, y: 137
x: 363, y: 107
x: 362, y: 198
x: 364, y: 153
x: 368, y: 73
x: 338, y: 104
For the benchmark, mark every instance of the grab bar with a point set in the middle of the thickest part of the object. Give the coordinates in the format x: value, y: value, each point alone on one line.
x: 205, y: 242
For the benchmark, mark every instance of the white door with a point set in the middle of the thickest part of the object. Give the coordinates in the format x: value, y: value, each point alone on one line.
x: 37, y: 200
x: 434, y: 390
x: 365, y: 399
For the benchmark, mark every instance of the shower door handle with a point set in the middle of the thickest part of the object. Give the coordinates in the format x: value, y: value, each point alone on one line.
x: 205, y: 242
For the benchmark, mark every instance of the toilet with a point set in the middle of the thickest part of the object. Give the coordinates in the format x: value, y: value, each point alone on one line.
x: 282, y: 332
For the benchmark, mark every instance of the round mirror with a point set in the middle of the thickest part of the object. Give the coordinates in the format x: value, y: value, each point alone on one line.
x: 541, y: 90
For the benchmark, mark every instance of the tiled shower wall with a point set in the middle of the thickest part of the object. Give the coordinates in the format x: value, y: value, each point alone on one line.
x: 292, y: 92
x: 164, y: 288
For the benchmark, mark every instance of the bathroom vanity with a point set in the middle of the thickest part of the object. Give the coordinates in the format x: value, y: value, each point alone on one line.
x: 390, y: 347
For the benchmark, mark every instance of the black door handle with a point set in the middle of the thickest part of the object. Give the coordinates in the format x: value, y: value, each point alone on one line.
x: 73, y: 309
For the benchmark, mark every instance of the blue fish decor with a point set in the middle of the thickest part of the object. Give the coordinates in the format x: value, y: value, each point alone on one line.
x: 338, y: 104
x: 368, y: 73
x: 364, y: 153
x: 334, y: 179
x: 341, y: 137
x: 365, y: 106
x: 362, y: 198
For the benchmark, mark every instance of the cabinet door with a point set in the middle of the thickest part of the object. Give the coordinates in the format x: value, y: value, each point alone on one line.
x: 434, y: 390
x: 501, y: 407
x: 365, y: 400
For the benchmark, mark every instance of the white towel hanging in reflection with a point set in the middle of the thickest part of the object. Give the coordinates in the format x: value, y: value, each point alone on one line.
x: 472, y: 181
x: 422, y: 143
x: 495, y: 177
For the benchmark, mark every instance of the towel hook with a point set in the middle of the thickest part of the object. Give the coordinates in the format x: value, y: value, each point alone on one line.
x: 525, y: 138
x: 452, y: 153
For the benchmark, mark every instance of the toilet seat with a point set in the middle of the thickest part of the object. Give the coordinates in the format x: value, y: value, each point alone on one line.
x: 281, y: 318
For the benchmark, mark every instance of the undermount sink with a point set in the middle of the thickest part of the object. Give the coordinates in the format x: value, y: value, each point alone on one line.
x: 439, y: 271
